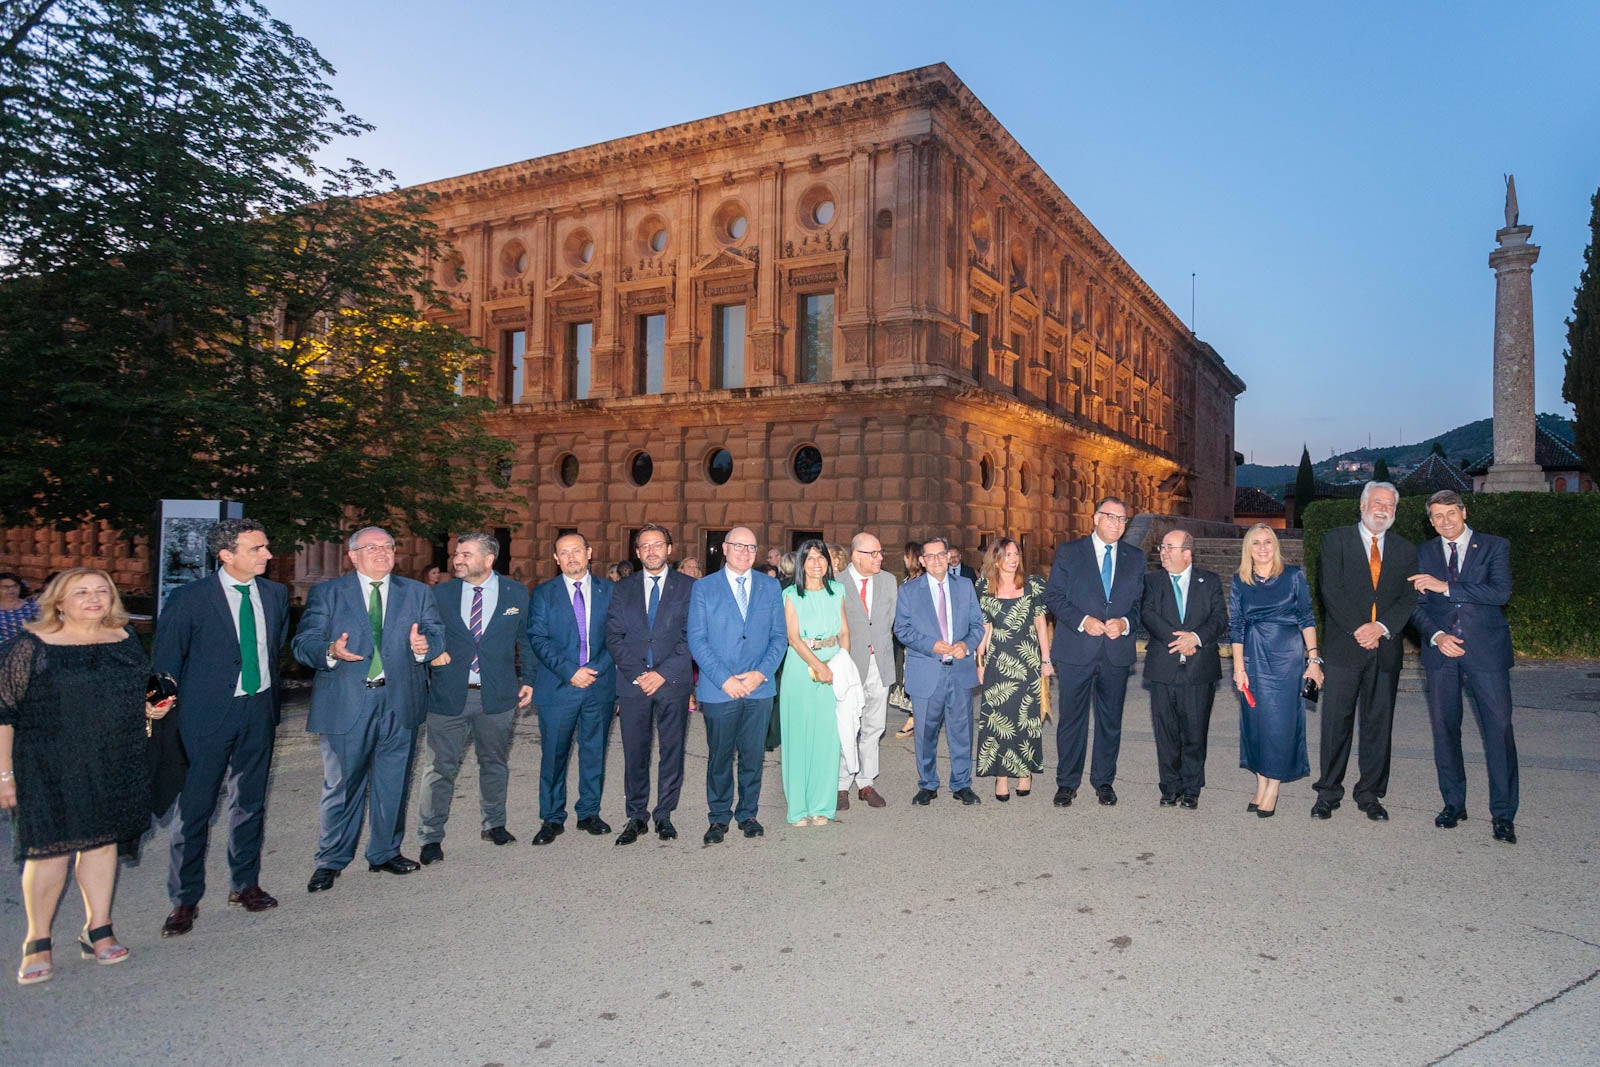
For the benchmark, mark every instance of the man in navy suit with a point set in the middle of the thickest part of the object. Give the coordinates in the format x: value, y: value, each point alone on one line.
x: 738, y: 637
x: 367, y: 635
x: 475, y: 690
x: 1096, y: 586
x: 937, y: 619
x: 220, y: 638
x: 1187, y: 618
x: 575, y: 687
x: 1465, y: 579
x: 647, y: 631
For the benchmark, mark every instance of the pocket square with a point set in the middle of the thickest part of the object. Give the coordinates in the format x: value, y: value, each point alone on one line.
x: 509, y: 611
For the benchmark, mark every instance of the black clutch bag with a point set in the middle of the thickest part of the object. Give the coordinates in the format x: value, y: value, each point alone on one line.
x: 159, y: 687
x: 1309, y: 690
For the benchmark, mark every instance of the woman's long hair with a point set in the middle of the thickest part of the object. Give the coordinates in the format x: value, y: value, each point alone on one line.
x: 49, y: 620
x: 800, y: 556
x: 1247, y: 565
x: 990, y: 574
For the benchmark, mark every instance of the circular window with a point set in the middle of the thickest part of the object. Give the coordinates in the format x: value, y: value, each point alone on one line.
x: 586, y: 252
x: 567, y: 470
x: 817, y: 207
x: 980, y: 230
x: 514, y: 260
x: 579, y: 248
x: 822, y: 214
x: 719, y: 466
x: 986, y: 472
x: 731, y: 222
x: 452, y: 270
x: 640, y: 468
x: 658, y: 241
x: 807, y: 464
x: 738, y: 226
x: 1024, y: 478
x: 651, y: 234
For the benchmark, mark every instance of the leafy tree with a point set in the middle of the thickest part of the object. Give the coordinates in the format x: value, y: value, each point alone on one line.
x: 189, y: 309
x: 1305, y: 485
x: 1380, y: 470
x: 1581, y: 386
x: 1438, y: 449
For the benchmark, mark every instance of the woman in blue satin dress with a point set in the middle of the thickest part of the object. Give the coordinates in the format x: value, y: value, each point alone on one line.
x: 1274, y: 639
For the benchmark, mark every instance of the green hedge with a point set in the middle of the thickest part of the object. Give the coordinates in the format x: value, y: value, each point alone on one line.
x: 1555, y: 560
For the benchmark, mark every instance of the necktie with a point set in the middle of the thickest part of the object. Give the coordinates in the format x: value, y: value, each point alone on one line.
x: 864, y: 603
x: 249, y: 659
x: 743, y: 597
x: 1105, y: 573
x: 582, y: 618
x: 1177, y: 591
x: 654, y: 602
x: 1452, y: 568
x: 375, y: 618
x: 1375, y: 565
x: 944, y: 616
x: 475, y: 623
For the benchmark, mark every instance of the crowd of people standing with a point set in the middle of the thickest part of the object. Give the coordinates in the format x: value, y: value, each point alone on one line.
x: 829, y: 640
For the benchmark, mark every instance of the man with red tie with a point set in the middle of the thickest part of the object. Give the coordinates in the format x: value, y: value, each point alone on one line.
x: 868, y: 610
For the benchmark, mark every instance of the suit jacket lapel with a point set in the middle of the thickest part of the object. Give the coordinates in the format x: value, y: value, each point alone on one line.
x: 219, y: 601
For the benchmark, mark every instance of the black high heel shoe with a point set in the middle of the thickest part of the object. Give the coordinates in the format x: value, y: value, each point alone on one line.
x: 1266, y: 813
x: 1252, y: 806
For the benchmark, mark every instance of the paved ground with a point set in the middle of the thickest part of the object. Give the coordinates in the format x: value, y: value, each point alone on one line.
x: 1005, y: 933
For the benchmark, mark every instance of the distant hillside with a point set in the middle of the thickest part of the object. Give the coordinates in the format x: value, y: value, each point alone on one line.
x: 1462, y: 446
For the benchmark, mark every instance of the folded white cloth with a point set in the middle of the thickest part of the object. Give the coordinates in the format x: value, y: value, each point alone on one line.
x: 849, y: 702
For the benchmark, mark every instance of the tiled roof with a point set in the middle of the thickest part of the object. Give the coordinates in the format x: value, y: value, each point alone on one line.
x: 1551, y: 451
x: 1248, y: 500
x: 1433, y: 474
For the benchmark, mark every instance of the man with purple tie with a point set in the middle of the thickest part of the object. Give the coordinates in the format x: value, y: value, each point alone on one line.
x: 574, y: 687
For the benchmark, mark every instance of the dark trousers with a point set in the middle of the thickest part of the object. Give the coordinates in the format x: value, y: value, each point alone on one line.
x: 238, y: 755
x: 589, y: 722
x: 735, y: 728
x: 1491, y: 702
x: 1363, y: 694
x: 1180, y: 715
x: 665, y: 719
x: 1105, y: 686
x: 377, y: 752
x: 446, y: 742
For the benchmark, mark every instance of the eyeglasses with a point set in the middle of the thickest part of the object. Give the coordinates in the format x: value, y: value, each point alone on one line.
x: 1109, y: 515
x: 375, y: 548
x: 935, y: 555
x: 651, y: 546
x: 740, y: 547
x: 1175, y: 548
x: 877, y: 554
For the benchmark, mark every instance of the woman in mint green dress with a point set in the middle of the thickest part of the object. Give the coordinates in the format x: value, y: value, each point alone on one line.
x: 814, y: 609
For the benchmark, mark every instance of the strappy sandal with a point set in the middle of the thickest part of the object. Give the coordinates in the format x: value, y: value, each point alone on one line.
x: 107, y: 956
x: 35, y: 973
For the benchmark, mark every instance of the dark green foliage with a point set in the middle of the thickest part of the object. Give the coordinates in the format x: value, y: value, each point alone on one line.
x: 1305, y: 485
x: 1581, y: 386
x: 1555, y: 571
x: 1438, y: 449
x: 1380, y: 470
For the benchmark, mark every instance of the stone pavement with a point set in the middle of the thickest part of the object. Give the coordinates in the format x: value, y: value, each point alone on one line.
x: 1008, y: 932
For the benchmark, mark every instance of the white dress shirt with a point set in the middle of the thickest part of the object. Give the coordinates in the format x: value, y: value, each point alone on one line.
x: 234, y: 599
x: 491, y: 598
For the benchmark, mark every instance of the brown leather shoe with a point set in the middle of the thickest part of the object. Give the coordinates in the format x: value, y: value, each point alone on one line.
x: 873, y: 798
x: 844, y: 800
x: 181, y: 921
x: 253, y: 899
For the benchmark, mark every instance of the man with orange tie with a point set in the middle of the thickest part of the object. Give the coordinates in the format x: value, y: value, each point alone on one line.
x: 1363, y: 574
x: 868, y: 610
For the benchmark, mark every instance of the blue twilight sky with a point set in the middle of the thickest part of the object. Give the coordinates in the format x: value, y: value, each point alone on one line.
x: 1330, y: 174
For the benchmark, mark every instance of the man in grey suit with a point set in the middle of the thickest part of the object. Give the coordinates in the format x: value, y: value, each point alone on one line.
x: 869, y: 611
x: 367, y: 636
x: 474, y: 690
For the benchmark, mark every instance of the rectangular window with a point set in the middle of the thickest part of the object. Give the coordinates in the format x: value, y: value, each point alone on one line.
x: 580, y: 338
x: 652, y: 353
x: 815, y: 345
x: 502, y: 559
x: 713, y: 560
x: 727, y: 346
x: 513, y: 344
x: 980, y: 344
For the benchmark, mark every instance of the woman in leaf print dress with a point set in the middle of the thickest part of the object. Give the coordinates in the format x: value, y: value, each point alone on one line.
x: 1013, y: 661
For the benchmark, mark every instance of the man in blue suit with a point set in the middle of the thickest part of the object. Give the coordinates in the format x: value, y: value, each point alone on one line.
x: 1465, y: 579
x: 574, y: 686
x: 1095, y: 589
x: 367, y: 636
x: 647, y: 631
x: 738, y: 637
x: 220, y: 638
x: 475, y: 690
x: 937, y: 619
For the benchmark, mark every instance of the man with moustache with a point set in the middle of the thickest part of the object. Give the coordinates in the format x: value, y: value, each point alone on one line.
x: 647, y: 631
x: 869, y: 607
x: 367, y: 635
x: 1367, y: 599
x: 219, y: 639
x: 475, y: 691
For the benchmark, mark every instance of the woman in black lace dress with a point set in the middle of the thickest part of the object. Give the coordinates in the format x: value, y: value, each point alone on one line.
x: 72, y: 756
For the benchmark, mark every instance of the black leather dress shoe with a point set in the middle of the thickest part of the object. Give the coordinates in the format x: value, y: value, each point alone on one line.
x: 499, y: 835
x: 1064, y: 797
x: 966, y: 796
x: 252, y: 899
x: 1375, y: 811
x: 321, y: 878
x: 396, y: 864
x: 665, y: 830
x: 1322, y: 810
x: 630, y: 833
x: 595, y: 825
x: 1505, y: 830
x: 924, y: 796
x: 715, y: 833
x: 181, y: 921
x: 752, y: 828
x: 1447, y: 819
x: 431, y: 853
x: 1105, y: 794
x: 1189, y: 800
x: 1169, y: 800
x: 548, y: 832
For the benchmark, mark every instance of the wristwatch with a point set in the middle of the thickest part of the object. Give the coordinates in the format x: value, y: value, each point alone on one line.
x: 1315, y: 659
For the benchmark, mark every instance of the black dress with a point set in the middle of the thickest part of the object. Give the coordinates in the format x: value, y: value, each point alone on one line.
x: 79, y: 745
